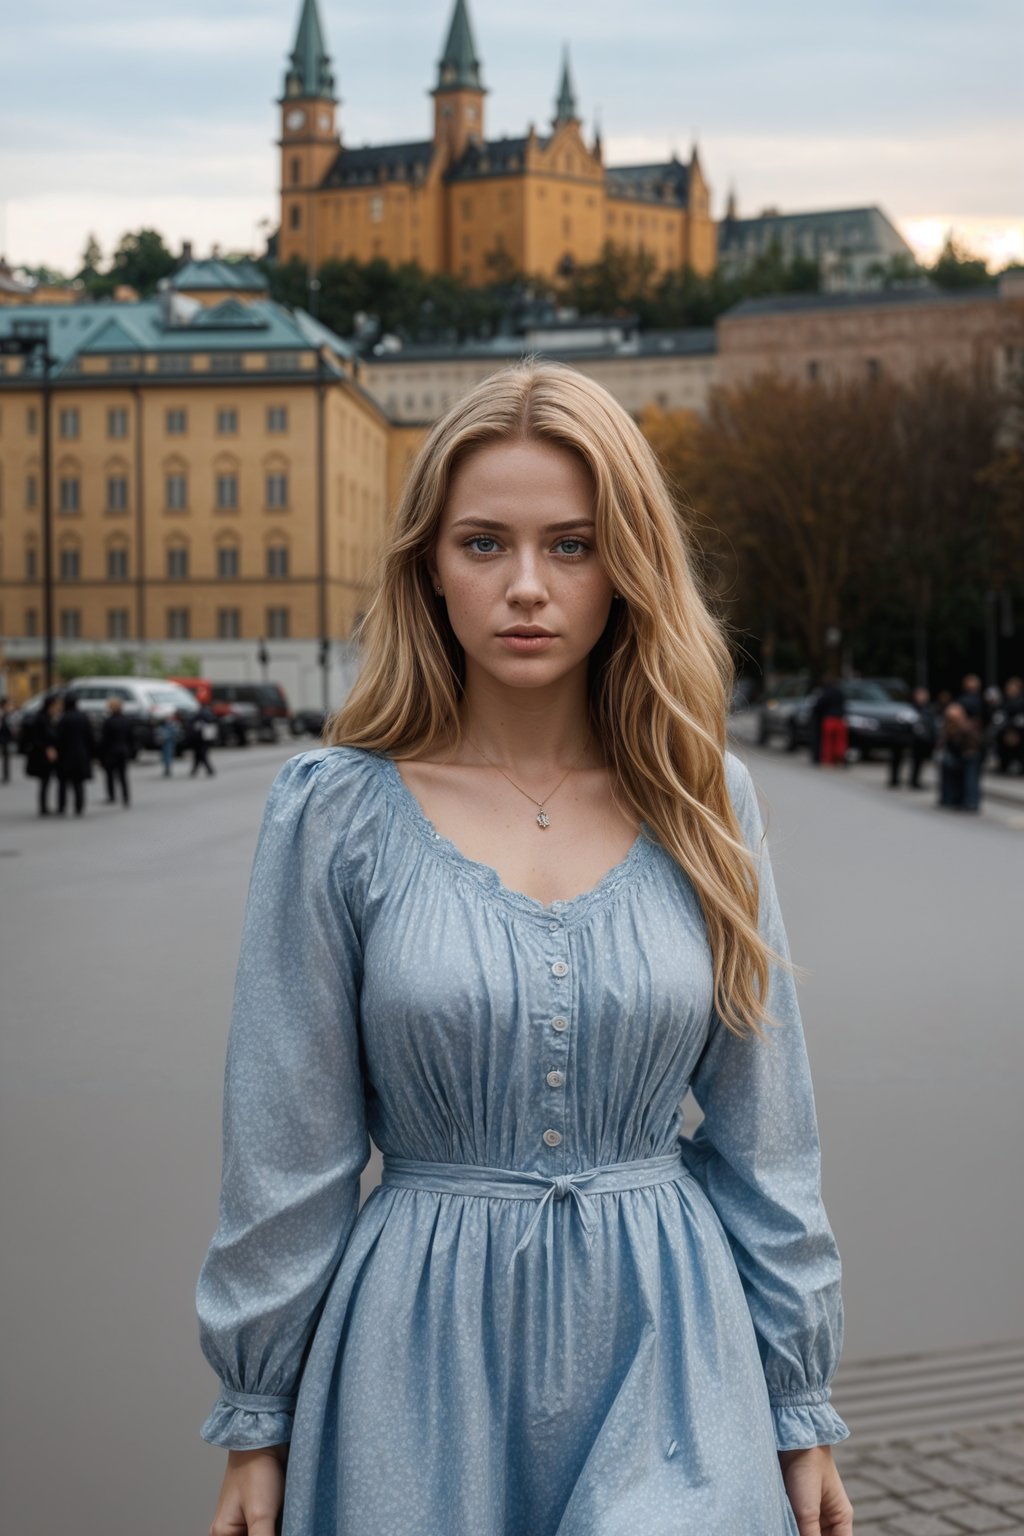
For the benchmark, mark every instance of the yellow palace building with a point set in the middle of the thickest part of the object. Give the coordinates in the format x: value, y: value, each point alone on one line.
x: 461, y: 203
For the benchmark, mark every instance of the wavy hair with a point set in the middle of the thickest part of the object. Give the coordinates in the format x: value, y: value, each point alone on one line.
x: 659, y: 678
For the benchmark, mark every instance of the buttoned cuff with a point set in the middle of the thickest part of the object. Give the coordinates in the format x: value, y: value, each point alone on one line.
x: 249, y: 1421
x: 805, y: 1419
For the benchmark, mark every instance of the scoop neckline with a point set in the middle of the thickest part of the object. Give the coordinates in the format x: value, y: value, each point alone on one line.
x: 488, y: 878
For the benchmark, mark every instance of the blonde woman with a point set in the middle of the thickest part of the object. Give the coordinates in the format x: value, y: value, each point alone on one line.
x: 515, y: 908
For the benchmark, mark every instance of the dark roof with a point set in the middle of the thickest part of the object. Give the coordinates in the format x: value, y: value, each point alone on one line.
x: 846, y: 229
x: 790, y: 303
x: 668, y: 182
x: 309, y: 74
x: 380, y: 162
x: 496, y: 157
x: 459, y: 66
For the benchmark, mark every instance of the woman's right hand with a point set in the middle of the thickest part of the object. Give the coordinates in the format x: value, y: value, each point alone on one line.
x: 252, y: 1493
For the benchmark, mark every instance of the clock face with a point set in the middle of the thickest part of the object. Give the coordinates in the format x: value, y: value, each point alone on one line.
x: 295, y: 119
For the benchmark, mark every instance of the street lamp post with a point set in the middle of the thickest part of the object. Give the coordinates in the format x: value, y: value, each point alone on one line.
x: 263, y: 657
x: 29, y: 339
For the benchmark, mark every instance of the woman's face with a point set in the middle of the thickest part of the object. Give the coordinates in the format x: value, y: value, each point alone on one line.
x: 515, y: 551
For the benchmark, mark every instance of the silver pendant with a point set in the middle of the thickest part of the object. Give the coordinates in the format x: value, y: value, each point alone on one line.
x: 542, y: 820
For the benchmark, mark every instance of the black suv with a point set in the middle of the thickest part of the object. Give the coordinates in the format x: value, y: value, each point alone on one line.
x: 274, y: 715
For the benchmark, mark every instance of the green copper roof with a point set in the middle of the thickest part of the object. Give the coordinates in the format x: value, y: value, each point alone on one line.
x: 212, y: 273
x: 310, y: 72
x: 459, y: 68
x: 565, y: 106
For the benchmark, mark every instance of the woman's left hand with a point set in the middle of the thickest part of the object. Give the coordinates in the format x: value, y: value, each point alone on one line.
x: 816, y: 1492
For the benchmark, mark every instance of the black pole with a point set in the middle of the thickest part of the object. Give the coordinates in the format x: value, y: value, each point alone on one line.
x: 321, y: 522
x: 48, y: 663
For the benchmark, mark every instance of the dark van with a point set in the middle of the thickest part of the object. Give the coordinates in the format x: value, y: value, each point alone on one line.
x: 274, y: 715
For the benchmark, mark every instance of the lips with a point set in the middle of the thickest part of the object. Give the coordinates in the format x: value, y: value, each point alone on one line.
x: 528, y: 633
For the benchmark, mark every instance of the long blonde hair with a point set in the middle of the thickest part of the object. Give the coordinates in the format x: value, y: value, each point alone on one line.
x: 659, y: 678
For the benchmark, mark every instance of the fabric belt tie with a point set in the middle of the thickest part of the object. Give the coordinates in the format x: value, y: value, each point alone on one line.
x: 527, y: 1184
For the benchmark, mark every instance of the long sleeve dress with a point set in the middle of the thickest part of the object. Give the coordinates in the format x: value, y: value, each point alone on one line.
x: 559, y: 1314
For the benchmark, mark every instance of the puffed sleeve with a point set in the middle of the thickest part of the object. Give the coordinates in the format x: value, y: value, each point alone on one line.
x: 757, y: 1155
x: 294, y: 1129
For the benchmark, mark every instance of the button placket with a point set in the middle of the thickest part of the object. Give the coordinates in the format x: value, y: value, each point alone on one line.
x: 554, y: 1070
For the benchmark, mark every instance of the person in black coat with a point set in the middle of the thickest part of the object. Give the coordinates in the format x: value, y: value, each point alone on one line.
x: 117, y: 748
x: 203, y: 733
x: 6, y: 737
x: 41, y: 747
x: 921, y: 744
x: 76, y: 747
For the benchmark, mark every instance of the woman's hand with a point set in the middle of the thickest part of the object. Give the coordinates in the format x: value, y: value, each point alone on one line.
x: 816, y: 1492
x: 252, y: 1493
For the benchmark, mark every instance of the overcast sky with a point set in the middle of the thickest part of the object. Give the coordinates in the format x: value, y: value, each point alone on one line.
x: 116, y: 115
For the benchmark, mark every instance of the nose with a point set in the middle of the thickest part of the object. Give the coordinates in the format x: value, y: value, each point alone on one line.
x: 526, y: 584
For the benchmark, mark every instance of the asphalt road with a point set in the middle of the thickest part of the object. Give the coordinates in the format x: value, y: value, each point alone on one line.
x: 118, y: 940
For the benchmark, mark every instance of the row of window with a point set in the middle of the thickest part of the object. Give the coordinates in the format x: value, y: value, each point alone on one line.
x: 176, y: 495
x: 178, y: 623
x: 69, y: 421
x: 69, y: 563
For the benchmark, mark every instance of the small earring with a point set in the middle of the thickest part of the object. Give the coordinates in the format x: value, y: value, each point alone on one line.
x: 439, y: 591
x: 617, y: 595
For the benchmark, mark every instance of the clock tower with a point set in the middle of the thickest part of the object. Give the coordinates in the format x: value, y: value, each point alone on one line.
x: 309, y: 139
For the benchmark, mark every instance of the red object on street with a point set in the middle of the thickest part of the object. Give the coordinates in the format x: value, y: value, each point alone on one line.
x: 834, y: 739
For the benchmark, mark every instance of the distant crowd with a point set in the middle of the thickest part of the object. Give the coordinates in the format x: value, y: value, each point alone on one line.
x: 61, y: 745
x: 957, y: 733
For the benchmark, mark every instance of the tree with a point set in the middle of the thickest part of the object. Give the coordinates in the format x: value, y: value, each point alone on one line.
x: 868, y: 507
x: 141, y: 260
x: 957, y: 268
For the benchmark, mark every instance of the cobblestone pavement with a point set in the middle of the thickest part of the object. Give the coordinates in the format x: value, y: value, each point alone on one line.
x: 937, y: 1485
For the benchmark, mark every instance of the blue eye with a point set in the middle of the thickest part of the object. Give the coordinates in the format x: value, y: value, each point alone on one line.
x: 580, y: 546
x: 481, y: 538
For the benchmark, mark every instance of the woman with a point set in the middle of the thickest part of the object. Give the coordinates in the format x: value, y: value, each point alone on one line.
x: 41, y: 756
x: 960, y: 753
x: 500, y: 923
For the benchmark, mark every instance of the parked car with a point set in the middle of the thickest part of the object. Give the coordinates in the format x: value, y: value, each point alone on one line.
x: 273, y: 714
x: 778, y: 707
x: 237, y: 720
x: 308, y: 722
x: 146, y: 701
x: 875, y: 720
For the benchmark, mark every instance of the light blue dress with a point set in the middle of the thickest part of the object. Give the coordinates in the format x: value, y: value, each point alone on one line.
x: 559, y: 1315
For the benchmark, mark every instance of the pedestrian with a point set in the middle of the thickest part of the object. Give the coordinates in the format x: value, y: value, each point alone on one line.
x: 117, y: 749
x: 500, y: 921
x: 960, y: 749
x: 76, y: 748
x: 829, y: 735
x: 203, y: 734
x: 1008, y: 727
x: 169, y: 731
x: 41, y: 747
x: 921, y: 746
x: 6, y: 738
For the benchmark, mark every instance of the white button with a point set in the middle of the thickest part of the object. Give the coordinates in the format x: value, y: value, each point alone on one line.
x: 556, y: 1078
x: 559, y: 1023
x: 553, y: 927
x: 559, y: 968
x: 552, y: 1138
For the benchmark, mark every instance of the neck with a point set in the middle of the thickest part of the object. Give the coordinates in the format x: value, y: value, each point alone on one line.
x: 538, y: 730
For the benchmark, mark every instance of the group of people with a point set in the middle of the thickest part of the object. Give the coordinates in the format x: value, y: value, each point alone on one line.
x: 957, y: 733
x: 61, y: 745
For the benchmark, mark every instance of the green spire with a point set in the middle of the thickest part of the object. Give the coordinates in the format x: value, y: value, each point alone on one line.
x: 565, y: 106
x: 459, y: 68
x: 310, y: 72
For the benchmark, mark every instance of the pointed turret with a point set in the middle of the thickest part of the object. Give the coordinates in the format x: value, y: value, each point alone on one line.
x: 459, y: 67
x: 309, y: 74
x: 565, y: 105
x: 459, y: 92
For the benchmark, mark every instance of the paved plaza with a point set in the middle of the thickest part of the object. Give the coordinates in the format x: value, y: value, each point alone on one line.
x: 119, y: 935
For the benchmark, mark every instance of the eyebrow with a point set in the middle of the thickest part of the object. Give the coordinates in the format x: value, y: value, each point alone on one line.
x: 487, y: 522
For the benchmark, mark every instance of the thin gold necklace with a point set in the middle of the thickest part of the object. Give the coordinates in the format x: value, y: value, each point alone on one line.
x: 542, y: 818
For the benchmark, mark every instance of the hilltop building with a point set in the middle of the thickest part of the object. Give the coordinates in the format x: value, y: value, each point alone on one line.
x: 462, y: 203
x: 851, y: 245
